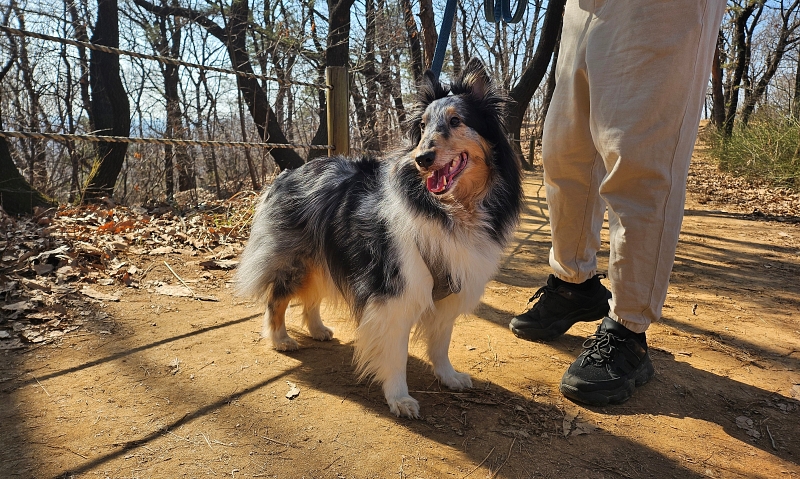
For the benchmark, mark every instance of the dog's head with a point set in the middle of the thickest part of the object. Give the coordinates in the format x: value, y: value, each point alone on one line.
x: 455, y: 131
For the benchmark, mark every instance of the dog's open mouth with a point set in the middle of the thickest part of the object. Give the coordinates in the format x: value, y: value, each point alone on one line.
x: 441, y: 180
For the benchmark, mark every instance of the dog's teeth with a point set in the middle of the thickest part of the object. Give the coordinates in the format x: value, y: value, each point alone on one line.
x: 444, y: 180
x: 453, y: 164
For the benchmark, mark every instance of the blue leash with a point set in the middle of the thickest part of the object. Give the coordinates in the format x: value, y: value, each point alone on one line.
x: 495, y: 11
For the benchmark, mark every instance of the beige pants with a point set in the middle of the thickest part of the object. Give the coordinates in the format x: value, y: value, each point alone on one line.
x: 630, y: 84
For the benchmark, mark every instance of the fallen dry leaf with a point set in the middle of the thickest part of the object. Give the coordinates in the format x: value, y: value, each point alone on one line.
x: 294, y: 391
x: 174, y: 290
x: 161, y: 250
x: 219, y: 264
x: 94, y: 294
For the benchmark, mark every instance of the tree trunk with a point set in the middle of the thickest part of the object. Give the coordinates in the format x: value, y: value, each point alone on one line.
x: 110, y: 108
x: 33, y: 148
x: 796, y: 93
x: 742, y: 60
x: 548, y: 97
x: 169, y: 44
x: 524, y: 90
x: 412, y: 35
x: 454, y: 51
x: 80, y: 34
x: 717, y: 97
x: 17, y: 196
x: 370, y: 133
x: 429, y: 35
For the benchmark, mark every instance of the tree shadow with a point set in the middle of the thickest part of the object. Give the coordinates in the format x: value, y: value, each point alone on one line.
x: 759, y: 216
x: 487, y: 422
x: 680, y: 390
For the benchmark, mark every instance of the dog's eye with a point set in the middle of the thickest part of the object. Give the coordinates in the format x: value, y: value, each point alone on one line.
x: 455, y: 121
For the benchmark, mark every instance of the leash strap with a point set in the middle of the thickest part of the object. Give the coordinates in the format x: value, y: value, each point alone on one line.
x: 495, y: 11
x: 444, y: 37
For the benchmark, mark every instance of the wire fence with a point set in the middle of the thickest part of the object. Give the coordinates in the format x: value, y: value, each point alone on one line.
x: 156, y: 141
x: 146, y: 179
x: 158, y: 58
x: 153, y: 141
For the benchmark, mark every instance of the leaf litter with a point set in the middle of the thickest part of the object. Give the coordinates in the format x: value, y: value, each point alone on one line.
x: 60, y: 265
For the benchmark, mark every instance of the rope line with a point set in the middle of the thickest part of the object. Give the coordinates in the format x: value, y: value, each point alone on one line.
x: 154, y: 141
x: 158, y: 58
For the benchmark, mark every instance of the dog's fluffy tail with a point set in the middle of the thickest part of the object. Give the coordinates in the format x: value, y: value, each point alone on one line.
x: 278, y: 254
x: 255, y: 273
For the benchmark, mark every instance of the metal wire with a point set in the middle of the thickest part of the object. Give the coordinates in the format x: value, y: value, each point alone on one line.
x: 154, y: 141
x: 158, y: 58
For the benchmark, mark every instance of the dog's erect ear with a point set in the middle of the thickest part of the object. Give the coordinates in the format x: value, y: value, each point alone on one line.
x: 430, y: 88
x: 473, y: 80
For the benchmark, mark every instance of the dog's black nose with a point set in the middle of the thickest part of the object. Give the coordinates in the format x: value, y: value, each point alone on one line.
x: 425, y: 160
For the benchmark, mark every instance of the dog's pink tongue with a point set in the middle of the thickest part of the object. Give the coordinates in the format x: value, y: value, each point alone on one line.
x: 435, y: 182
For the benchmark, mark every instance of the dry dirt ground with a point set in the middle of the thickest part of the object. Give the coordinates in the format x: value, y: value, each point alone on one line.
x: 159, y: 386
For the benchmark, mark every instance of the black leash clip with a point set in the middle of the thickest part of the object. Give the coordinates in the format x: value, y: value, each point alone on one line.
x: 496, y: 11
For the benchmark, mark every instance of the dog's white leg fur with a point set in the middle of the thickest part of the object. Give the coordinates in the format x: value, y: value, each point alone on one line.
x: 274, y: 327
x: 382, y: 351
x: 436, y: 328
x: 313, y: 322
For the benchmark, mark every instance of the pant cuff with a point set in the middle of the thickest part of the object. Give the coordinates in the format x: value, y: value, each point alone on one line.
x: 635, y: 327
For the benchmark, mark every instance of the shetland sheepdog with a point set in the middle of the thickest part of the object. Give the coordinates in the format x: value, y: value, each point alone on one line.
x: 408, y: 241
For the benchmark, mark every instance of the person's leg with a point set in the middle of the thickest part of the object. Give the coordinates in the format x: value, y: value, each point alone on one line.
x: 648, y: 64
x: 573, y: 171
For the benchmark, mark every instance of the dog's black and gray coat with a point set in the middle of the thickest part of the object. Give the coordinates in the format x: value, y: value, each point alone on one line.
x: 409, y: 240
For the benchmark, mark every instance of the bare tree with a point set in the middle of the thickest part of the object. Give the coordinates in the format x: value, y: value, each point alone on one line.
x: 16, y: 194
x: 429, y: 35
x: 535, y: 71
x: 796, y: 91
x: 110, y: 108
x: 414, y: 43
x: 234, y: 36
x: 717, y: 95
x: 787, y: 25
x: 741, y: 57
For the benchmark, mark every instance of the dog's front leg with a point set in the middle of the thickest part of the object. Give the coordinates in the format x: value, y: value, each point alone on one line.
x: 382, y: 352
x: 437, y: 329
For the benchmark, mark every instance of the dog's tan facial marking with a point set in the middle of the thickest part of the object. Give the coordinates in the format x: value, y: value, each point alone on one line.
x: 473, y: 182
x: 451, y: 157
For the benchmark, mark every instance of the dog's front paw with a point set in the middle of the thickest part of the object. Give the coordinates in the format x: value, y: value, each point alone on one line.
x: 405, y: 406
x: 284, y: 343
x: 321, y: 333
x: 456, y: 380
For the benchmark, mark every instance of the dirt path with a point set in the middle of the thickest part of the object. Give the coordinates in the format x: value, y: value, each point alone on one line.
x: 173, y: 387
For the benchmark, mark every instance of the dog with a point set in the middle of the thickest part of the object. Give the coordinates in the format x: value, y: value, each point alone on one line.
x: 408, y: 241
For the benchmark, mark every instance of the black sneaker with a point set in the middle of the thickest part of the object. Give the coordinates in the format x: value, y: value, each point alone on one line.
x: 558, y: 308
x: 613, y: 362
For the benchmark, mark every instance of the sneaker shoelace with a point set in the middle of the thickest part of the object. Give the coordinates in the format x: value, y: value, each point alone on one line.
x: 600, y: 347
x: 540, y: 292
x: 547, y: 289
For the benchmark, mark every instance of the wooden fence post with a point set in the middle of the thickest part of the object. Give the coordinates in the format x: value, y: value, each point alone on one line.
x: 338, y: 99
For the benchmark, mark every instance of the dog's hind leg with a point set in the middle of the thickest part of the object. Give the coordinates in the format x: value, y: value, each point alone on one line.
x: 311, y: 296
x: 274, y: 326
x: 437, y: 328
x: 382, y: 351
x: 283, y: 289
